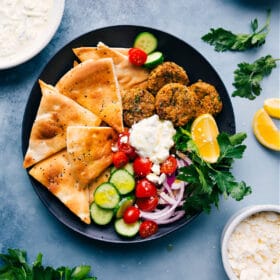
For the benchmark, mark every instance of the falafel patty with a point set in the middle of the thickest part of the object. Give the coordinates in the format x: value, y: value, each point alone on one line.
x: 165, y: 73
x: 175, y: 102
x: 137, y: 104
x: 208, y: 98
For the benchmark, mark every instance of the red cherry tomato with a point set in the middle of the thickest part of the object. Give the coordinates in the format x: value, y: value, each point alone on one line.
x: 169, y: 166
x: 142, y: 166
x: 131, y: 214
x: 128, y: 150
x: 145, y: 188
x: 148, y: 228
x: 137, y: 56
x: 120, y: 159
x: 147, y: 204
x: 124, y: 146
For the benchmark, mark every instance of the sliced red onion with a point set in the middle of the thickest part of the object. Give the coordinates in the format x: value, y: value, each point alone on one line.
x: 177, y: 185
x: 166, y: 212
x: 170, y: 179
x: 168, y: 189
x: 177, y: 215
x: 184, y: 157
x: 167, y: 198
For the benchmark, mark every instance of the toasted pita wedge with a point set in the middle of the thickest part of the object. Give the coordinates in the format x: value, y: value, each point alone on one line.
x: 55, y: 174
x: 93, y: 84
x: 89, y: 151
x: 102, y: 178
x: 55, y: 113
x: 128, y: 74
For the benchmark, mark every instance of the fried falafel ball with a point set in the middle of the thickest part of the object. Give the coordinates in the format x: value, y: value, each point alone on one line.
x: 165, y: 73
x: 138, y: 104
x: 208, y: 98
x: 175, y: 102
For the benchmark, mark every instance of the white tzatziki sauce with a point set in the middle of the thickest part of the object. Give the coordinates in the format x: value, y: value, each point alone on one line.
x: 152, y: 138
x: 21, y: 22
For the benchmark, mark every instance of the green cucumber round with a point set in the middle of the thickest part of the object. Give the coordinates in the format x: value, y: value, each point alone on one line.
x: 126, y: 230
x: 123, y: 181
x: 154, y: 59
x: 123, y: 204
x: 100, y: 215
x: 146, y: 41
x: 106, y: 196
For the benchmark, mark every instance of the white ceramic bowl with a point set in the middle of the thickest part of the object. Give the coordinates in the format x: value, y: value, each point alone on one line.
x: 231, y: 225
x: 24, y: 53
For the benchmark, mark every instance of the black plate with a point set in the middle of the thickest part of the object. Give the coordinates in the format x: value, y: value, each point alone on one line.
x: 173, y: 49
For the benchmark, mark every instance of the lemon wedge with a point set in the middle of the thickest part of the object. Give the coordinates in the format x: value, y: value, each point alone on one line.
x: 272, y: 107
x: 265, y: 130
x: 204, y: 132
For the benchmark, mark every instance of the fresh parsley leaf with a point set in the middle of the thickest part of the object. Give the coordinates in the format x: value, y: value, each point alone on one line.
x: 224, y: 40
x: 247, y: 77
x: 15, y: 267
x: 207, y: 182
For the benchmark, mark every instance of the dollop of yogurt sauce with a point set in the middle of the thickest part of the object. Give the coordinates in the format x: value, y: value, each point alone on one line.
x: 21, y: 21
x: 152, y: 138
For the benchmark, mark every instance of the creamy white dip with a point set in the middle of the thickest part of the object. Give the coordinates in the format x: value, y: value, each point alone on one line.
x: 152, y: 138
x: 21, y: 22
x: 254, y: 247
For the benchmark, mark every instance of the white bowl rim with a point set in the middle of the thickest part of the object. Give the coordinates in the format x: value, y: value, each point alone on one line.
x: 232, y: 223
x: 57, y: 12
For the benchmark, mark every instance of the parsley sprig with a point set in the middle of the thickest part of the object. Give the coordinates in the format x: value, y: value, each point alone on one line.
x: 15, y: 267
x: 224, y: 40
x: 207, y: 182
x: 247, y: 77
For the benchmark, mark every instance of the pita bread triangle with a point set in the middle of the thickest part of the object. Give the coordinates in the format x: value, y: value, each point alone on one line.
x: 93, y: 84
x: 55, y: 174
x: 89, y: 151
x: 128, y: 74
x: 55, y: 113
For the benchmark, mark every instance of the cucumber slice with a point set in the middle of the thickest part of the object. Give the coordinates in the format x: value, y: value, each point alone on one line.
x: 123, y: 204
x: 99, y: 215
x: 146, y: 41
x: 127, y: 230
x: 123, y: 181
x: 106, y: 196
x: 128, y: 167
x: 154, y: 59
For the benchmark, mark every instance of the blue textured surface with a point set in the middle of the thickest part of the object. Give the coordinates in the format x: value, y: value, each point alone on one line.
x: 193, y: 252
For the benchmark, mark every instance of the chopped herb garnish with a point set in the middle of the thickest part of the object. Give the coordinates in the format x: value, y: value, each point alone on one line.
x: 15, y: 266
x: 247, y: 77
x: 224, y: 40
x: 207, y: 182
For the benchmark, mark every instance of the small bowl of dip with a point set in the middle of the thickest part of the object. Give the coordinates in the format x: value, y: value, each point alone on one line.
x: 27, y: 26
x: 250, y: 243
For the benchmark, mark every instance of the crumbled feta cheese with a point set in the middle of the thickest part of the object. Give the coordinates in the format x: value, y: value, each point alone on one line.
x: 155, y: 178
x: 254, y: 247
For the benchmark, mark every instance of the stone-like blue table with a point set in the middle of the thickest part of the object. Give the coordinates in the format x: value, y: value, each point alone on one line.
x: 193, y: 252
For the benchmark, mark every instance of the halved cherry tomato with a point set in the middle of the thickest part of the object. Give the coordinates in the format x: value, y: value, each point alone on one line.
x: 120, y: 159
x: 147, y: 204
x: 169, y: 166
x: 137, y: 56
x: 148, y: 228
x: 145, y: 188
x: 128, y: 150
x: 124, y: 146
x: 142, y: 166
x: 131, y: 214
